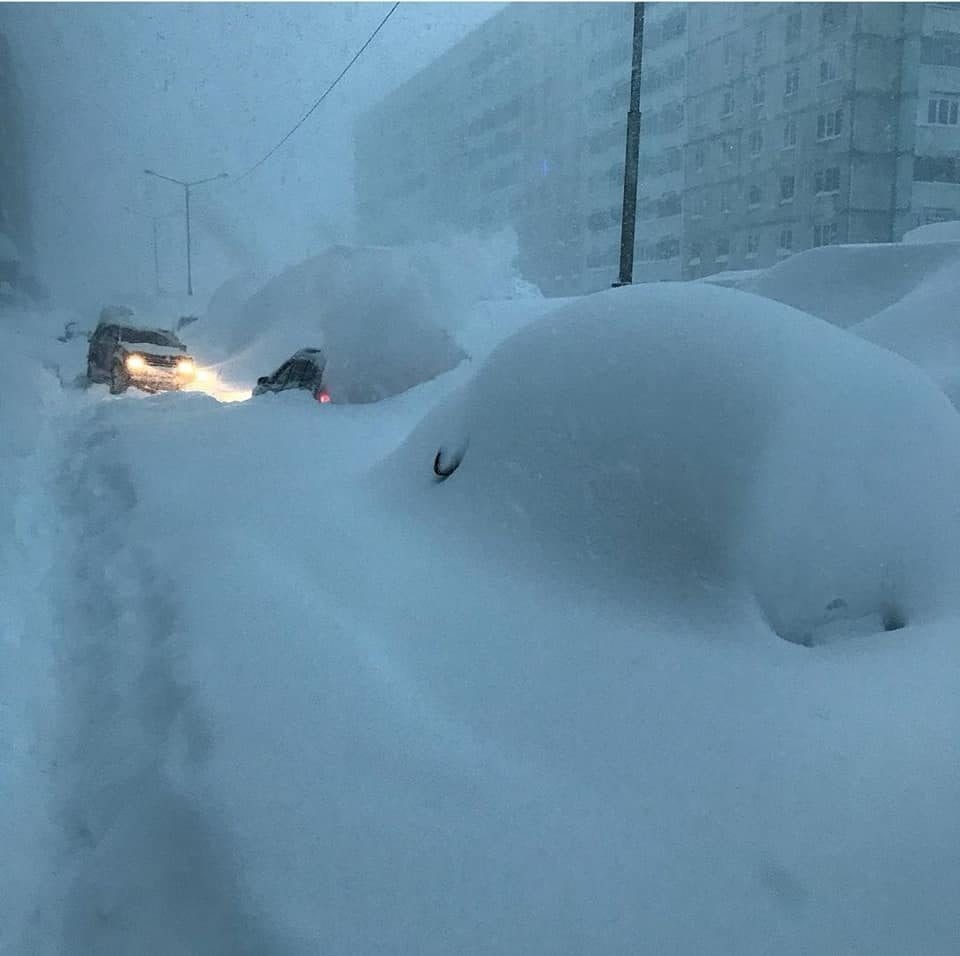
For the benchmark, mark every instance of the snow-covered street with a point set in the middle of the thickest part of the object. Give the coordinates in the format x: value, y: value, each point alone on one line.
x: 668, y: 664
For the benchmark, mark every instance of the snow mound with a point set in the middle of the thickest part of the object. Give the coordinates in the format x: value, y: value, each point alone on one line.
x: 934, y: 232
x: 370, y: 309
x: 666, y: 435
x: 847, y: 284
x: 923, y: 327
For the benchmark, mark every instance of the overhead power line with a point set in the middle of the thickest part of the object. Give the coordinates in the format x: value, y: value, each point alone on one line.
x: 323, y: 96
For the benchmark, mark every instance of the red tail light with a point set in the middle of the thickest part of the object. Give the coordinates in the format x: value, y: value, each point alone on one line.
x: 322, y: 395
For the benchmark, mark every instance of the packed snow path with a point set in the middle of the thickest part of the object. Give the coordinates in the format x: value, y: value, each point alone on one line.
x: 148, y: 862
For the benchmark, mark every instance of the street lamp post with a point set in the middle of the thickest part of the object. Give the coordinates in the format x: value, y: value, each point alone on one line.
x: 187, y: 186
x: 628, y: 219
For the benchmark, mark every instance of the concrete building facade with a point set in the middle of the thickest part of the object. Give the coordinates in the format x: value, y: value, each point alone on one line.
x: 767, y: 128
x: 15, y: 233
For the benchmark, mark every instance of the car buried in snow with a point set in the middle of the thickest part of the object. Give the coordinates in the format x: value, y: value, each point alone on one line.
x: 121, y: 355
x: 303, y: 370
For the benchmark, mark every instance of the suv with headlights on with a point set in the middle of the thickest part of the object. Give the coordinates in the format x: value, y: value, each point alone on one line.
x: 122, y: 355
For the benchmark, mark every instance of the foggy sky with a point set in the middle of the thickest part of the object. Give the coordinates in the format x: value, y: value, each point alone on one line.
x: 190, y: 91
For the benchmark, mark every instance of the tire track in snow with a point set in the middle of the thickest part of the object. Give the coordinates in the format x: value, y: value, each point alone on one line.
x: 149, y: 870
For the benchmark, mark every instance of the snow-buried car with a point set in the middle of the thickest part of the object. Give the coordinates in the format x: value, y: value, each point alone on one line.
x: 683, y: 434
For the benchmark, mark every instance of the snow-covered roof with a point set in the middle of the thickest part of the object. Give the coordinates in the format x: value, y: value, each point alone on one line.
x: 155, y: 349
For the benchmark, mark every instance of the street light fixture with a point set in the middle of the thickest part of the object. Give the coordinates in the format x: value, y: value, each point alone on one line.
x: 187, y: 186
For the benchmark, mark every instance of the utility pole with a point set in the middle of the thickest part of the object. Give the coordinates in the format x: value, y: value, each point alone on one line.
x: 628, y: 219
x: 156, y: 259
x: 186, y: 197
x: 156, y: 254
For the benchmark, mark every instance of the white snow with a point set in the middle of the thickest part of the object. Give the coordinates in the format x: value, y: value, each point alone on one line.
x: 847, y: 284
x: 271, y: 687
x: 934, y: 232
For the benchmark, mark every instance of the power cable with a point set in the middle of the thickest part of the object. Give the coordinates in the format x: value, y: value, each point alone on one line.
x: 323, y: 96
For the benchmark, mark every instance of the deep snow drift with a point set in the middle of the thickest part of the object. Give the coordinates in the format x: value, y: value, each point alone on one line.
x: 293, y: 694
x: 671, y: 432
x: 368, y: 308
x: 847, y: 284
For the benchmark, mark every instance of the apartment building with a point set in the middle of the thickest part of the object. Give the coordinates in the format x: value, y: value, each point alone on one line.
x: 15, y: 238
x: 523, y: 124
x: 812, y: 124
x: 767, y: 128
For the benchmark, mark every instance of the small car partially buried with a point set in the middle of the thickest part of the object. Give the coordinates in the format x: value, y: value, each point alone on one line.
x: 304, y: 370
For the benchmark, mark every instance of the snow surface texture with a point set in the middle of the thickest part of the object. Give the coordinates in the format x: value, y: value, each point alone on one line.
x: 292, y: 694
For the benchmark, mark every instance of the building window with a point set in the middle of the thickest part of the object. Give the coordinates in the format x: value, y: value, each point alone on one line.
x: 794, y: 22
x: 753, y: 245
x: 832, y: 15
x: 788, y: 188
x: 725, y: 199
x: 759, y: 90
x: 728, y: 51
x: 786, y: 240
x: 723, y: 249
x: 935, y: 214
x: 673, y: 26
x: 699, y: 111
x: 941, y: 50
x: 759, y: 42
x: 756, y: 142
x: 668, y: 248
x: 942, y: 110
x: 828, y: 180
x: 791, y: 84
x: 936, y: 169
x: 696, y: 253
x: 754, y: 196
x: 789, y: 133
x: 728, y: 151
x: 825, y: 234
x: 726, y: 108
x: 668, y: 205
x: 830, y: 125
x: 699, y: 157
x: 829, y: 68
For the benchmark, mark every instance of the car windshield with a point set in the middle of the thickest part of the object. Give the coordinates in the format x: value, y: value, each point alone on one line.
x: 151, y: 337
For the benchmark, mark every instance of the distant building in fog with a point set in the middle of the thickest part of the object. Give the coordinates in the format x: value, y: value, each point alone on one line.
x: 811, y: 124
x: 767, y: 128
x: 15, y: 238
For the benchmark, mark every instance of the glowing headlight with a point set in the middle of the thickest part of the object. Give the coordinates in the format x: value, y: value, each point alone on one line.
x: 203, y: 375
x: 135, y: 362
x: 186, y: 367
